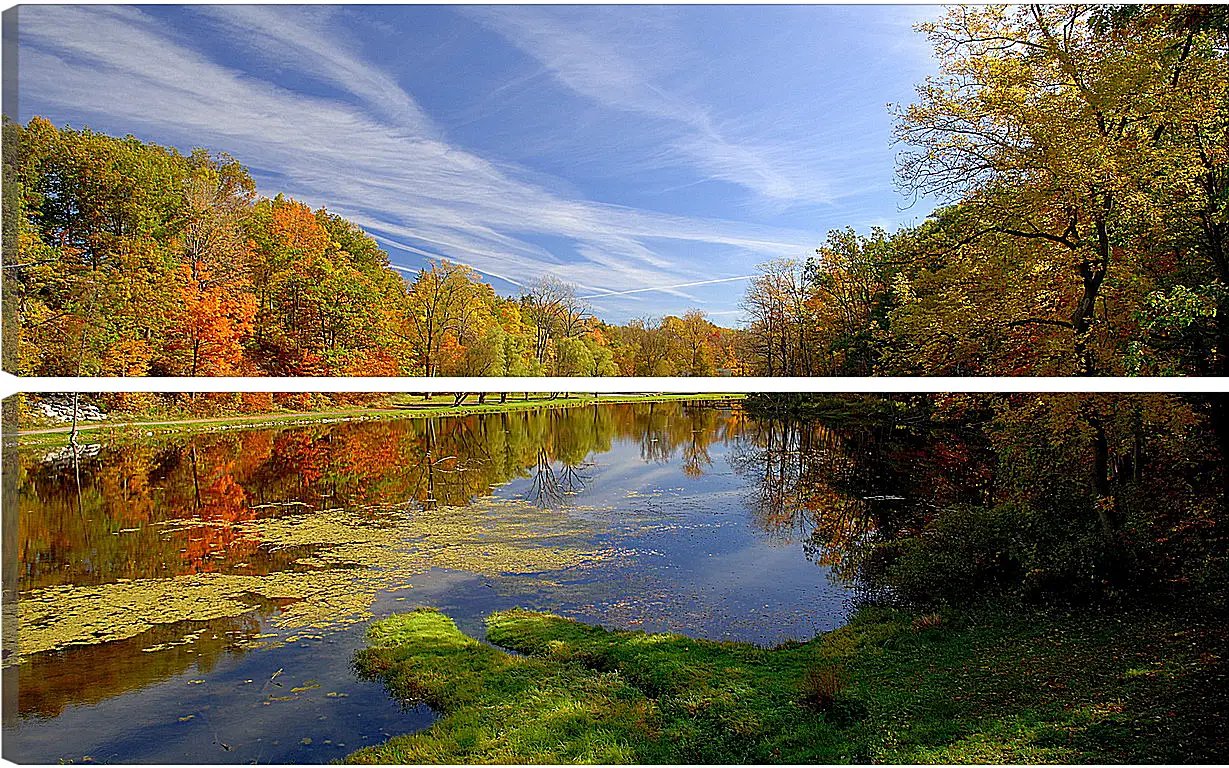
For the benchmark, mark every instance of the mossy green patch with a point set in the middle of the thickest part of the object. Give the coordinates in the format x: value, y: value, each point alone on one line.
x: 986, y: 687
x: 578, y: 715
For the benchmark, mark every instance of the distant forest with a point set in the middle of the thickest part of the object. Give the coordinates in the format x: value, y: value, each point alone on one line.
x: 1080, y: 155
x: 136, y: 260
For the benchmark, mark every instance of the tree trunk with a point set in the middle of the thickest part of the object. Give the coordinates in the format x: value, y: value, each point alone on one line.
x: 1101, y: 477
x: 1092, y: 274
x: 72, y: 434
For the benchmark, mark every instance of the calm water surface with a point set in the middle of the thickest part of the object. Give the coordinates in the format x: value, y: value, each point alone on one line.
x: 201, y: 600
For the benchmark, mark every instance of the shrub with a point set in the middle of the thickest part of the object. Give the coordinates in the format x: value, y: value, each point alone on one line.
x: 968, y: 553
x: 821, y: 686
x: 929, y: 621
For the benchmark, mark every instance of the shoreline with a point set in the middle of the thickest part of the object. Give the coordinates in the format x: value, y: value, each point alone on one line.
x: 113, y: 431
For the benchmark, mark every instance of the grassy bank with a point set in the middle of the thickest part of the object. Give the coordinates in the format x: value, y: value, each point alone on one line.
x: 133, y: 427
x: 984, y: 687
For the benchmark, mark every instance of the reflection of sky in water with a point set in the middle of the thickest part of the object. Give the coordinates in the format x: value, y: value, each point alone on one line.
x: 687, y: 558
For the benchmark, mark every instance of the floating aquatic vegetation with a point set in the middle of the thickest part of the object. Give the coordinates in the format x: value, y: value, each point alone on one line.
x: 356, y: 554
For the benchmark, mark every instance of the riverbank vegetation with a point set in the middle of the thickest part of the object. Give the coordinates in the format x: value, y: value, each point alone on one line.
x: 983, y: 687
x: 1043, y: 498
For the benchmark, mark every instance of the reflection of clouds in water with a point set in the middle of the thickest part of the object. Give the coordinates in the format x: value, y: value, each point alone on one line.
x: 719, y: 585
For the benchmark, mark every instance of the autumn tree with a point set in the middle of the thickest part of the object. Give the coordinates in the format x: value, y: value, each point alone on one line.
x: 1186, y: 317
x: 211, y: 324
x: 850, y: 295
x: 782, y: 325
x: 94, y: 262
x: 553, y: 309
x: 327, y: 301
x: 1041, y: 124
x: 644, y: 348
x: 696, y: 340
x: 216, y: 200
x: 439, y: 299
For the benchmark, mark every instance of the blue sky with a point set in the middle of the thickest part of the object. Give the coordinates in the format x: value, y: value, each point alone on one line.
x: 653, y: 155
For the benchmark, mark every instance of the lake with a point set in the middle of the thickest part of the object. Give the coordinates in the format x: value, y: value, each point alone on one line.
x: 200, y: 599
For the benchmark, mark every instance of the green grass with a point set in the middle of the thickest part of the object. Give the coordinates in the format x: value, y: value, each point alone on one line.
x: 985, y: 687
x: 128, y: 427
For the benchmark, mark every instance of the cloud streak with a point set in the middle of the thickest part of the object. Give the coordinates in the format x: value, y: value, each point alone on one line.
x: 668, y: 287
x: 583, y: 51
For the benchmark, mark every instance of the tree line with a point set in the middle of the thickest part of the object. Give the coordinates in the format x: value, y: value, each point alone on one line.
x: 132, y: 259
x: 1080, y: 155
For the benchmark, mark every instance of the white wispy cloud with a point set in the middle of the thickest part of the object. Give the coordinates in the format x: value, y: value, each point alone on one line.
x: 308, y: 37
x: 669, y: 287
x: 583, y: 50
x: 380, y: 161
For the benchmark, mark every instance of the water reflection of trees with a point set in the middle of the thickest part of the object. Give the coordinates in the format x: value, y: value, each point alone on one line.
x: 830, y: 489
x: 837, y: 490
x: 549, y: 488
x: 85, y: 675
x: 114, y: 524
